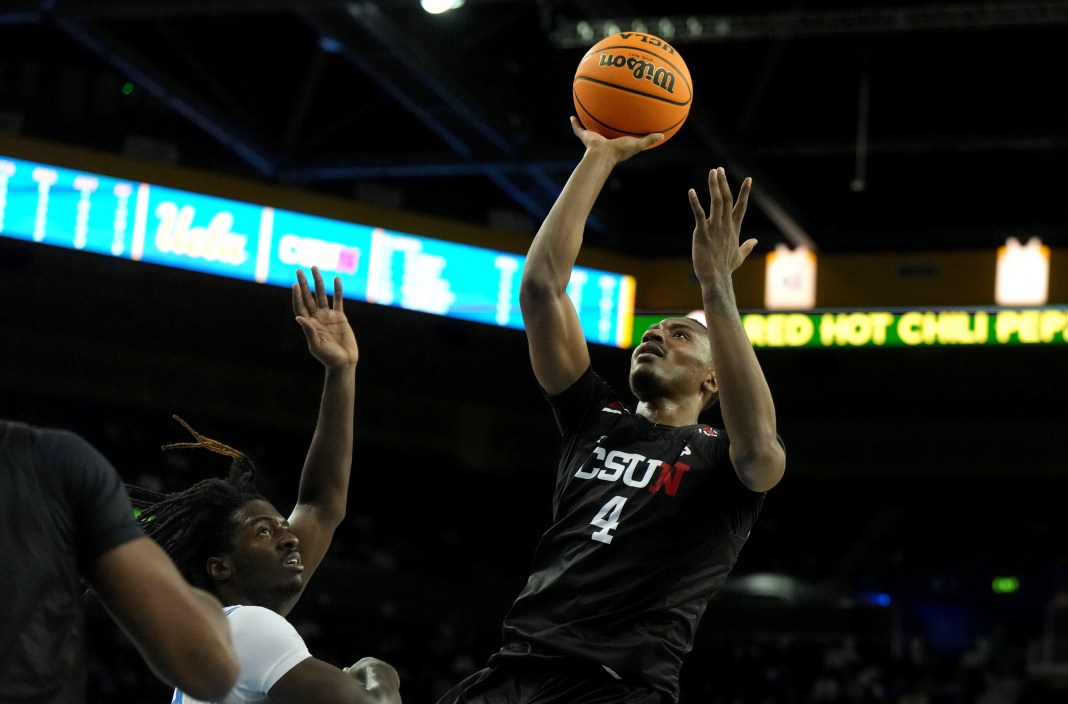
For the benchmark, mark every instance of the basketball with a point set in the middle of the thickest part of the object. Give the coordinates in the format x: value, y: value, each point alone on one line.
x: 632, y: 83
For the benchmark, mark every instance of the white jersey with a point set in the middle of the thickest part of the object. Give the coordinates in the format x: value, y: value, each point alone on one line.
x: 267, y: 647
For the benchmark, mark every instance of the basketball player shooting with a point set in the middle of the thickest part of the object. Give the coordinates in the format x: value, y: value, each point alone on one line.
x: 651, y: 507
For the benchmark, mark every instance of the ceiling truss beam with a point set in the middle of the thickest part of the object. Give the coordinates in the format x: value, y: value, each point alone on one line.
x: 866, y: 21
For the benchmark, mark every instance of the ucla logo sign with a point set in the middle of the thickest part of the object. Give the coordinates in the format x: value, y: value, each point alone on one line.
x: 649, y: 39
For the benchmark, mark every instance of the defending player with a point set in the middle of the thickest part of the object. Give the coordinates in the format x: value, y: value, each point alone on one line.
x: 228, y: 539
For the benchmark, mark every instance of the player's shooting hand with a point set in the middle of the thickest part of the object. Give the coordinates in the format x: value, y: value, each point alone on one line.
x: 621, y: 148
x: 378, y: 677
x: 330, y: 337
x: 716, y: 251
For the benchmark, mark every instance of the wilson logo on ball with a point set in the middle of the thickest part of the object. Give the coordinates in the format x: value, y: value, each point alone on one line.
x: 660, y: 77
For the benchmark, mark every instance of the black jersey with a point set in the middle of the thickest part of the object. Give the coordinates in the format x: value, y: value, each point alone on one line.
x: 648, y: 520
x: 62, y: 506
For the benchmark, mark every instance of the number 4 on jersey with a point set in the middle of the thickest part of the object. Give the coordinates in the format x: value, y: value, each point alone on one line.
x: 607, y: 519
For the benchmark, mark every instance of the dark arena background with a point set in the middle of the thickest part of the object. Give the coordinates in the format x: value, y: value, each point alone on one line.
x: 914, y: 553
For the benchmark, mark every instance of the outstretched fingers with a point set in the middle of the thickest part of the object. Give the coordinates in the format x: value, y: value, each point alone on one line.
x: 720, y: 199
x: 320, y: 289
x: 724, y: 204
x: 715, y: 206
x: 339, y: 295
x: 698, y: 209
x: 301, y: 296
x: 306, y: 302
x: 743, y: 201
x: 745, y: 249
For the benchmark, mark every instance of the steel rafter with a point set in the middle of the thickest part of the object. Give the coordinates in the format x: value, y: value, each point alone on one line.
x: 165, y: 88
x: 416, y: 85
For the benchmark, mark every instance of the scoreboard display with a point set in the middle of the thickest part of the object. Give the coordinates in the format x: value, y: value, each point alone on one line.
x: 149, y: 223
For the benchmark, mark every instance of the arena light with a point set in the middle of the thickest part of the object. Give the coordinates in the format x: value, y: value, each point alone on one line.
x: 1022, y: 275
x: 436, y: 7
x: 790, y: 279
x: 768, y: 585
x: 1005, y: 585
x: 877, y: 599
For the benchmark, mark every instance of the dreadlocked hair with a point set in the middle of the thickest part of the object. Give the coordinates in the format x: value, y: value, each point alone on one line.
x: 197, y: 523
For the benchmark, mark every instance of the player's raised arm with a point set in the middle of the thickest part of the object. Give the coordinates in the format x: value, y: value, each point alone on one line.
x: 557, y: 346
x: 324, y: 480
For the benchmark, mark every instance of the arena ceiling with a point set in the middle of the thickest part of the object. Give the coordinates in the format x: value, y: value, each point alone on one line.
x: 884, y: 127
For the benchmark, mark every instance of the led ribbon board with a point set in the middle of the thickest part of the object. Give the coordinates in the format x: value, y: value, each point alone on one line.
x: 148, y: 223
x: 909, y: 328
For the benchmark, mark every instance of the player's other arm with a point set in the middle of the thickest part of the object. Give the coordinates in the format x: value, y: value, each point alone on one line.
x: 745, y: 399
x: 369, y: 681
x: 181, y: 631
x: 558, y: 352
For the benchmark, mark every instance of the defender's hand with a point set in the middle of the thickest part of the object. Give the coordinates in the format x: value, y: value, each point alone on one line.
x: 330, y: 337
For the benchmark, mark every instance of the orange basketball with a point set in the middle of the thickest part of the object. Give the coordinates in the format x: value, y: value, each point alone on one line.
x: 632, y: 83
